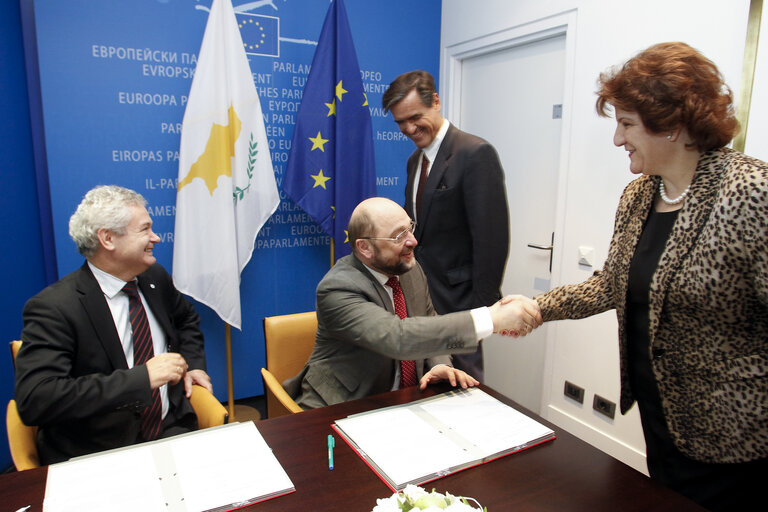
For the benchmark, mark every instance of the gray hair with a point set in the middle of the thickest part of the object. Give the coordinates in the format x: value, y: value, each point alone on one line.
x: 103, y: 207
x: 360, y: 223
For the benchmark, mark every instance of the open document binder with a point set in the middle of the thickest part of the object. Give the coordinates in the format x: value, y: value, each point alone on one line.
x: 215, y: 469
x: 431, y: 438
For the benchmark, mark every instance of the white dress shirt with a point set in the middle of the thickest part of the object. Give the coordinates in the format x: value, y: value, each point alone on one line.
x: 117, y: 300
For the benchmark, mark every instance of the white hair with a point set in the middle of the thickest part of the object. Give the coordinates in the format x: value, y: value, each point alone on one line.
x: 103, y: 207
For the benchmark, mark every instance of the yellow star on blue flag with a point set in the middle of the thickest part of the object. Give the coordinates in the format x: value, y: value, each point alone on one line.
x: 318, y: 142
x: 340, y: 91
x: 319, y: 179
x: 331, y: 108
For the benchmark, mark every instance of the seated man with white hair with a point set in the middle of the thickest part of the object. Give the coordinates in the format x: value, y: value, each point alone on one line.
x: 111, y: 351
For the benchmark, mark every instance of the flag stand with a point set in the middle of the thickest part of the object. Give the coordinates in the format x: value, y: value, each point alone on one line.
x: 236, y: 412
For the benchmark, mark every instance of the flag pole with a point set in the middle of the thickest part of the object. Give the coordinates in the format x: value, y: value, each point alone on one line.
x: 236, y: 412
x: 333, y: 247
x: 230, y: 387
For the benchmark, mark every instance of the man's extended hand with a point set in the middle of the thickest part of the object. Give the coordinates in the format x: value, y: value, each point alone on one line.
x: 444, y: 372
x: 198, y: 377
x: 515, y: 315
x: 165, y: 368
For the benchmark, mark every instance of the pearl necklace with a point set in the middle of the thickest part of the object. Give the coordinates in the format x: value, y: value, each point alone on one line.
x: 677, y: 200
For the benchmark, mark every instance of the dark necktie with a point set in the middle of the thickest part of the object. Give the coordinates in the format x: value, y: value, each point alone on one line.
x: 407, y: 368
x: 422, y: 184
x: 143, y: 352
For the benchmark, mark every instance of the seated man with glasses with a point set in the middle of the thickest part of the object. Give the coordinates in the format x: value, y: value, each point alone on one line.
x: 377, y: 329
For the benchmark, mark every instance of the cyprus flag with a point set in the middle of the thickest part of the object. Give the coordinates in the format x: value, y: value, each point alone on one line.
x: 226, y: 188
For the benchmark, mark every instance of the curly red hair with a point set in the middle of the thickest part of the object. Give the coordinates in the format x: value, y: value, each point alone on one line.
x: 671, y: 85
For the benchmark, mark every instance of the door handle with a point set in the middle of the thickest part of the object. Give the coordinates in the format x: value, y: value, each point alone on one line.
x: 549, y: 248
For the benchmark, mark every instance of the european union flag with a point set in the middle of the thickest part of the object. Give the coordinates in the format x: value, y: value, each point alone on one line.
x: 261, y: 34
x: 331, y: 167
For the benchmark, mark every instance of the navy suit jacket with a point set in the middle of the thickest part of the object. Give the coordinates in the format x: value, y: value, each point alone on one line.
x: 72, y: 379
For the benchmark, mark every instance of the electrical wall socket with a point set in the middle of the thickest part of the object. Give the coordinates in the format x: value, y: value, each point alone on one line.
x: 604, y: 406
x: 574, y: 392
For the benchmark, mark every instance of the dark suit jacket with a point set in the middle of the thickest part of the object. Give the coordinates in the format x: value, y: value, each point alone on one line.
x: 359, y: 336
x: 464, y: 230
x: 72, y: 379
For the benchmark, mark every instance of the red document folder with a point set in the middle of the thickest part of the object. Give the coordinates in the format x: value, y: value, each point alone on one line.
x: 428, y: 439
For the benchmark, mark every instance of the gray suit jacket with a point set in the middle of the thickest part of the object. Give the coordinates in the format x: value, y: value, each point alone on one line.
x: 360, y: 338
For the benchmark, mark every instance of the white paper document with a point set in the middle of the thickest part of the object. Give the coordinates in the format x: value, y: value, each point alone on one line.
x: 121, y: 481
x: 431, y: 438
x: 210, y: 475
x: 209, y: 470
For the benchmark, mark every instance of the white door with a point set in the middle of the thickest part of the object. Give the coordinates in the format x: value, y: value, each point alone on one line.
x: 508, y: 97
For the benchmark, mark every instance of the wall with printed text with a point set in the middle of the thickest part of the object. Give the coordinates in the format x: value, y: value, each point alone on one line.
x: 114, y: 78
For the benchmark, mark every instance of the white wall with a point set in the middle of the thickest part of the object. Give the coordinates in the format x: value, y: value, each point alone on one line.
x: 602, y: 33
x: 757, y: 129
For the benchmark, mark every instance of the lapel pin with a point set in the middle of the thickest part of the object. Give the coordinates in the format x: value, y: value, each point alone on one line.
x: 152, y: 285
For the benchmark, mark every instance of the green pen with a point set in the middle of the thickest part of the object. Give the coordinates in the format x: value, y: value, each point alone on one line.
x: 331, y: 444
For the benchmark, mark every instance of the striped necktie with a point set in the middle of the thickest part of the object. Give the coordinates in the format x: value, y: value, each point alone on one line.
x: 143, y: 351
x: 407, y: 368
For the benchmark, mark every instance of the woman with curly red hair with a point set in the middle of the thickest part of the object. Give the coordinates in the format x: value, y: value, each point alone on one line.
x: 687, y: 273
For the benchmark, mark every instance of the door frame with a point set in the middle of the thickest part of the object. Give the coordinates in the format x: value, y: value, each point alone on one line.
x: 450, y: 94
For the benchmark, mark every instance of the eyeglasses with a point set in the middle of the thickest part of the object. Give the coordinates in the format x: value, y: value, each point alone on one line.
x: 398, y: 239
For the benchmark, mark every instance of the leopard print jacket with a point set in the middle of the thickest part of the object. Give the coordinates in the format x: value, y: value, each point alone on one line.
x: 708, y: 306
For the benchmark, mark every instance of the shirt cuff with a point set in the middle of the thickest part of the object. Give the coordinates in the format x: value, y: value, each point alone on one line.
x: 483, y: 322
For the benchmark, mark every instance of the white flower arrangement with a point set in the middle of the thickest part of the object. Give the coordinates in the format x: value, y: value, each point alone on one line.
x: 416, y: 499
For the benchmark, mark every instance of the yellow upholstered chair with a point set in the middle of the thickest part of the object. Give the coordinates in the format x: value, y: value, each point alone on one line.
x: 289, y: 342
x: 15, y: 346
x: 21, y: 438
x: 209, y: 411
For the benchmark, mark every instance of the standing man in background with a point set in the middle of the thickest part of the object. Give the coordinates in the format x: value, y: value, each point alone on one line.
x: 455, y: 192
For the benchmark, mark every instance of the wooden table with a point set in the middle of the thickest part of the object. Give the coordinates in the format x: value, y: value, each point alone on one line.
x: 566, y: 474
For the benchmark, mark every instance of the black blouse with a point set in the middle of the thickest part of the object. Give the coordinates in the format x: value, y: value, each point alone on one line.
x: 719, y: 487
x: 651, y: 245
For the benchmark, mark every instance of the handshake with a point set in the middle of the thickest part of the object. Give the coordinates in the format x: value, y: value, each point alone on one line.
x: 515, y: 315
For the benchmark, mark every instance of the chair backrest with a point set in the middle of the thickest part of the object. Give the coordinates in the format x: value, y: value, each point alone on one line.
x: 289, y: 342
x: 21, y: 438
